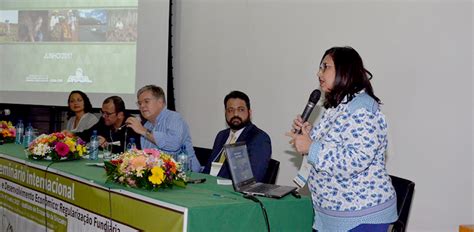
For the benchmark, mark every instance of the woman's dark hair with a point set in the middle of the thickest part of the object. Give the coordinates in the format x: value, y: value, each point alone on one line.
x: 351, y: 76
x: 87, y: 103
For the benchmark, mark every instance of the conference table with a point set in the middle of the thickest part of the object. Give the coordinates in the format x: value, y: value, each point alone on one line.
x: 76, y: 196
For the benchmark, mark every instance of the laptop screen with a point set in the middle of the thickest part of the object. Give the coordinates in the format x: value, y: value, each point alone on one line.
x: 239, y: 164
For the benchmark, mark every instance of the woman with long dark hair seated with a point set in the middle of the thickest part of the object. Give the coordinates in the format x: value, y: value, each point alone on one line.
x: 79, y: 115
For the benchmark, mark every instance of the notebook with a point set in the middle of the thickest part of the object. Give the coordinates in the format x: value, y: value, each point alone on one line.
x: 243, y: 179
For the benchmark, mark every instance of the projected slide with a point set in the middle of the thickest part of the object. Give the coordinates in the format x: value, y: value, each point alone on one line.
x: 59, y: 46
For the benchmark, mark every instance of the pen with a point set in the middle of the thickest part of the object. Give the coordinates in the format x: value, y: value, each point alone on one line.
x: 222, y: 196
x: 196, y: 181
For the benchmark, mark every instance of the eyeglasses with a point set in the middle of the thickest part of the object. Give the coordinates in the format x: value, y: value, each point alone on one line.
x: 145, y: 101
x: 324, y: 66
x: 231, y: 110
x: 107, y: 114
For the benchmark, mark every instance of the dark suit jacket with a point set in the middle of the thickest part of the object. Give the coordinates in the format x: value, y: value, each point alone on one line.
x: 259, y: 148
x: 111, y: 135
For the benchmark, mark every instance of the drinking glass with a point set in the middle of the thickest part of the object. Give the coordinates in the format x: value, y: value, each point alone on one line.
x: 107, y: 151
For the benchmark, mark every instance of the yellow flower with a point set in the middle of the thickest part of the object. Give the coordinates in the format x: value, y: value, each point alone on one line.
x: 71, y: 144
x: 81, y: 149
x: 158, y: 175
x: 52, y: 138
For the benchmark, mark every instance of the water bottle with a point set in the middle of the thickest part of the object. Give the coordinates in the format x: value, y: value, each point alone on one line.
x: 183, y: 159
x: 19, y: 132
x: 131, y: 144
x: 28, y: 135
x: 94, y: 146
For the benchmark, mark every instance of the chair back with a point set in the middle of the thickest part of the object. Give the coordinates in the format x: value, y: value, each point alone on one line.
x: 404, y: 189
x: 202, y: 154
x: 272, y: 172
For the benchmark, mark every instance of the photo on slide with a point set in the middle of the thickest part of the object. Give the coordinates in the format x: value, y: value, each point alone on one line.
x: 92, y: 25
x: 63, y: 25
x: 8, y: 25
x: 122, y: 25
x: 32, y: 26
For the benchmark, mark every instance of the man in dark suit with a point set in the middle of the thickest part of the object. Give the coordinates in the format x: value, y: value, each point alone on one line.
x: 111, y: 126
x: 238, y: 114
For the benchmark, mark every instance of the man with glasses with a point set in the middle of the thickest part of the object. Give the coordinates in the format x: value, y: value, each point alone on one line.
x: 111, y: 126
x: 164, y: 129
x: 237, y: 115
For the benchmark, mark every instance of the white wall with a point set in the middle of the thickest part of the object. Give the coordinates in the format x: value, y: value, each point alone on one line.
x: 418, y: 51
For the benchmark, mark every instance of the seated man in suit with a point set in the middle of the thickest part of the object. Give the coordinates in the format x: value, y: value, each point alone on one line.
x: 237, y: 115
x: 111, y: 126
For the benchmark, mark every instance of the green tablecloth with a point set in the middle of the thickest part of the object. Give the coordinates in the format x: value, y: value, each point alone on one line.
x: 199, y: 207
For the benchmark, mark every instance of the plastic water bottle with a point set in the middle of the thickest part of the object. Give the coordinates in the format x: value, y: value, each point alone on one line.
x: 28, y: 135
x: 183, y: 159
x: 19, y: 132
x: 131, y: 144
x: 94, y: 146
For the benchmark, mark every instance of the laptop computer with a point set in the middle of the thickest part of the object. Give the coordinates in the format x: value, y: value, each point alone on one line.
x: 243, y: 179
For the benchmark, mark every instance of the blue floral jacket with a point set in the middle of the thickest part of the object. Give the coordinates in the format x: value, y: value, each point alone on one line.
x: 348, y: 180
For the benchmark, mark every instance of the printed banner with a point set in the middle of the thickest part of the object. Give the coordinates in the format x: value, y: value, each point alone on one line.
x: 26, y: 209
x: 33, y: 199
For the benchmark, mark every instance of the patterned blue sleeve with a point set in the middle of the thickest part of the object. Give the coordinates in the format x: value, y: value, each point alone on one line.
x: 314, y: 150
x: 349, y: 144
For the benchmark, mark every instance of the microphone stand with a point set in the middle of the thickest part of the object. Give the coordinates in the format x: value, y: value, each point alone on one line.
x: 125, y: 142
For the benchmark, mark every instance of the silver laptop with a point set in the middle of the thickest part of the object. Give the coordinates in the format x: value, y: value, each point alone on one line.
x: 243, y: 179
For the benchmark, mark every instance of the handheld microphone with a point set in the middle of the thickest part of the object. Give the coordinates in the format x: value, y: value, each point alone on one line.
x: 137, y: 116
x: 313, y: 99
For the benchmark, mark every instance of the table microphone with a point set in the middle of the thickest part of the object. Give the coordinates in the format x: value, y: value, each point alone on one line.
x: 5, y: 112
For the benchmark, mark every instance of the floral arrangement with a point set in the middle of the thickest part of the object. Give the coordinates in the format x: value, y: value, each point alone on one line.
x: 148, y: 169
x: 7, y: 131
x: 57, y: 146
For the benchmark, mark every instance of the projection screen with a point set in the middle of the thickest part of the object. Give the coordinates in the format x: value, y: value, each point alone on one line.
x: 101, y: 47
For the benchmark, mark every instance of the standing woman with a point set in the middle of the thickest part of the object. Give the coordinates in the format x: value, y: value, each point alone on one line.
x: 350, y: 187
x: 79, y: 116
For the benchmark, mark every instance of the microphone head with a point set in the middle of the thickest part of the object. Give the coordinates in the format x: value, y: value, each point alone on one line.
x: 315, y: 95
x: 137, y: 116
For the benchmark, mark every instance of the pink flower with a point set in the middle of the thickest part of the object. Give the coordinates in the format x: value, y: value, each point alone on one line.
x: 153, y: 152
x: 131, y: 182
x: 138, y: 163
x: 60, y: 135
x: 62, y: 149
